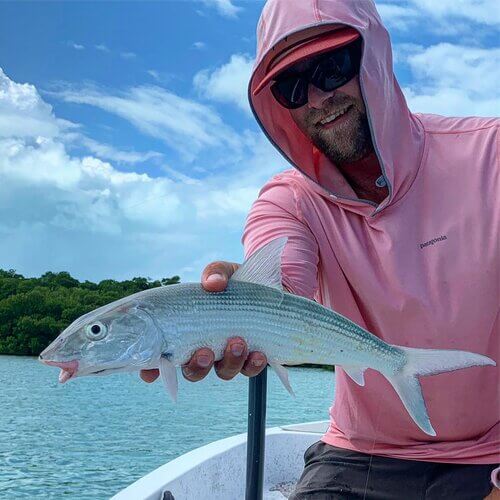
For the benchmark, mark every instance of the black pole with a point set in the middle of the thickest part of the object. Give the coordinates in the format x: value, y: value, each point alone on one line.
x: 256, y: 435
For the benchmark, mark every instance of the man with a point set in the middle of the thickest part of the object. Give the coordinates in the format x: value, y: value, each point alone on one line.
x: 392, y: 220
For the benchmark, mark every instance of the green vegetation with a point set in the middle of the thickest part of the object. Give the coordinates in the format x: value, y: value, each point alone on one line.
x: 33, y: 311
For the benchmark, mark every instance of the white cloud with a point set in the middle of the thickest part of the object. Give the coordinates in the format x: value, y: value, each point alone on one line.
x: 38, y: 162
x: 225, y: 8
x: 474, y: 70
x: 108, y: 152
x: 59, y: 211
x: 221, y: 201
x: 446, y: 17
x: 227, y: 83
x: 102, y: 47
x: 398, y: 17
x: 154, y: 74
x: 23, y: 113
x: 480, y: 11
x: 128, y: 55
x: 162, y: 77
x: 186, y: 126
x: 199, y: 45
x: 402, y: 51
x: 178, y: 176
x: 454, y: 80
x: 450, y: 102
x: 76, y: 46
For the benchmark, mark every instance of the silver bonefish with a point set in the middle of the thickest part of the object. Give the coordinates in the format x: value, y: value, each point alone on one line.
x: 162, y: 327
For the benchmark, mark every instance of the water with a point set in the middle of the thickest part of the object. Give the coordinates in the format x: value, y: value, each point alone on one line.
x: 93, y: 436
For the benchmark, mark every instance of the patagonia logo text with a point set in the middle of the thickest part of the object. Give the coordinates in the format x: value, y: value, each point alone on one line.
x: 433, y: 242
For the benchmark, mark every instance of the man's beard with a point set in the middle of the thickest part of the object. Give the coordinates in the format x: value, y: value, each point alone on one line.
x: 347, y: 142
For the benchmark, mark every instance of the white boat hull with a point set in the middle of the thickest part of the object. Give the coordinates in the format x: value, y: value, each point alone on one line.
x: 218, y: 470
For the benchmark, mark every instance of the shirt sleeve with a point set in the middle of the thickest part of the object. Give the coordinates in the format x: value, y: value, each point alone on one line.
x: 275, y: 214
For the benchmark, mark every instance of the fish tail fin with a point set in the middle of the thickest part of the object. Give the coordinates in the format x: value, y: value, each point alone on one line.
x: 427, y: 362
x: 433, y: 361
x: 410, y: 392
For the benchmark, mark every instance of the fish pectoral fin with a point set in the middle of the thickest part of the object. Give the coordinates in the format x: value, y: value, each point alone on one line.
x: 355, y: 373
x: 264, y: 266
x: 282, y: 373
x: 168, y: 374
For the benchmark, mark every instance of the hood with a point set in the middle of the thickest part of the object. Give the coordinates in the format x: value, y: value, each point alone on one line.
x: 397, y: 135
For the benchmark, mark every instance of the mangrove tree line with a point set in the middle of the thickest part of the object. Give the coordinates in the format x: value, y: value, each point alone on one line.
x: 33, y: 311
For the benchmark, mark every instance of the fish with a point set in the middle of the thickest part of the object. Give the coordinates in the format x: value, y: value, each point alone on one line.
x: 162, y: 327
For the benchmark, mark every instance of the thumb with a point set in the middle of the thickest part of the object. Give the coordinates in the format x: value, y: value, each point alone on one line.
x: 216, y: 275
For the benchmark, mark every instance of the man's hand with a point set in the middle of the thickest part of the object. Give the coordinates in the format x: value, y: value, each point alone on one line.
x: 236, y: 357
x: 494, y: 495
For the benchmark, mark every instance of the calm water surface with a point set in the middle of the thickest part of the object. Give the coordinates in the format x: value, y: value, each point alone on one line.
x: 93, y: 436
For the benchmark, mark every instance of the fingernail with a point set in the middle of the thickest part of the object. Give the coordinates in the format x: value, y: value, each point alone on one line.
x: 237, y: 349
x: 203, y: 361
x: 215, y: 277
x: 257, y: 362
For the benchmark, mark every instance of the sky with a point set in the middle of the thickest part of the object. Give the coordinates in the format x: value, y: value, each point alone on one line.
x: 127, y: 145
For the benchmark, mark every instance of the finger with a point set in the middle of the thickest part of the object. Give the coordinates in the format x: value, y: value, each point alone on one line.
x: 254, y: 364
x: 199, y: 365
x: 235, y: 354
x: 149, y: 375
x: 216, y: 275
x: 494, y: 494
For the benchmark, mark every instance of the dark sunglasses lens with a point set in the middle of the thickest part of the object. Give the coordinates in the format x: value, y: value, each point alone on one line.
x: 336, y: 69
x: 290, y: 92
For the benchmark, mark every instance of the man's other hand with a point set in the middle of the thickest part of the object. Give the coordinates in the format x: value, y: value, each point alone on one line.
x: 236, y: 356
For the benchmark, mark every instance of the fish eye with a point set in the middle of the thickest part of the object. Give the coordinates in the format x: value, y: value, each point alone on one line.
x: 96, y: 331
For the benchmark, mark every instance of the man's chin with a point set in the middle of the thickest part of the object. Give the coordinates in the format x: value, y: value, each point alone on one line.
x: 344, y: 145
x: 342, y: 151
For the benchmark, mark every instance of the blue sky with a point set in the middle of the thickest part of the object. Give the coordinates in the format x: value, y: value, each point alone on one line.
x: 127, y: 146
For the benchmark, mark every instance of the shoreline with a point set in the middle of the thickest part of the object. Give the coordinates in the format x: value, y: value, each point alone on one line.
x: 305, y: 365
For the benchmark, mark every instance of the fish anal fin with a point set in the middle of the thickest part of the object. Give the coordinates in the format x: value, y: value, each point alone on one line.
x: 168, y: 374
x: 282, y: 373
x: 356, y: 373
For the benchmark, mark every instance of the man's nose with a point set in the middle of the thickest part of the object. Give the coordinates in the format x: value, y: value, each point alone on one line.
x: 316, y: 96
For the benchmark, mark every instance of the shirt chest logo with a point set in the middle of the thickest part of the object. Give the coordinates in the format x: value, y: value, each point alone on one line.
x: 433, y: 241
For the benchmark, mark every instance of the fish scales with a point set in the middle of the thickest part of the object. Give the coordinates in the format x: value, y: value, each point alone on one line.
x: 269, y: 320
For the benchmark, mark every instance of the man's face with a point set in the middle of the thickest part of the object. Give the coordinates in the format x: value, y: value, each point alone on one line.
x: 346, y: 138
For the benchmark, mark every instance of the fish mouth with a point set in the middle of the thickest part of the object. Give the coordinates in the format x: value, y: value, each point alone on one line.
x: 68, y: 368
x: 107, y: 371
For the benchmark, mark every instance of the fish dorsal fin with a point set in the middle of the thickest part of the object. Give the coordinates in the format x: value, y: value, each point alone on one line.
x: 264, y: 266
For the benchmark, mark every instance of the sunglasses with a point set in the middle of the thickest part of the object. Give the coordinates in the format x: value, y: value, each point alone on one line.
x: 328, y: 72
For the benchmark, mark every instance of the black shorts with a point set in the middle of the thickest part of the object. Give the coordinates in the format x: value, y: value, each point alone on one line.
x: 332, y: 473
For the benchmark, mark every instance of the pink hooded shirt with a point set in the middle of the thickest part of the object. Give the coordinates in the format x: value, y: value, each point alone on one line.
x: 419, y: 270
